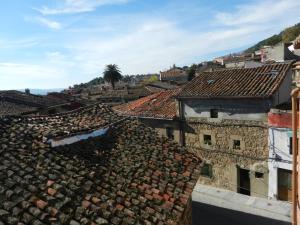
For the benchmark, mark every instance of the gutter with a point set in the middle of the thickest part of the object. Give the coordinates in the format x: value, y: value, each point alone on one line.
x: 222, y: 97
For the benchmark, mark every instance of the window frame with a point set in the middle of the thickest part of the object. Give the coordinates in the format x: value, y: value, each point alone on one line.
x: 214, y: 113
x: 259, y: 175
x: 208, y: 167
x: 234, y: 145
x: 210, y: 139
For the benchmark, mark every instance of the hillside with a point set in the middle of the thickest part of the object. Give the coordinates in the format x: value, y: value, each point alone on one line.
x: 287, y: 35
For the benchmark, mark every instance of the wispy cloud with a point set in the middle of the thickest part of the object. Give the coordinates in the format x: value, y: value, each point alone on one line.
x: 142, y: 41
x: 77, y: 6
x: 18, y: 44
x: 48, y: 23
x: 260, y: 12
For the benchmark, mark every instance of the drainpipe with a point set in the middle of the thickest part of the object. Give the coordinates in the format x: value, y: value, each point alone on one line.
x: 295, y: 94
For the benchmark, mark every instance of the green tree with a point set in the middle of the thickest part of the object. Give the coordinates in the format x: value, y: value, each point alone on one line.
x: 112, y: 74
x: 290, y: 34
x: 192, y: 71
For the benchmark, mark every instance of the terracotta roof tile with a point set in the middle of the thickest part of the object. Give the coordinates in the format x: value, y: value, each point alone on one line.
x: 247, y: 82
x: 123, y: 177
x: 158, y: 105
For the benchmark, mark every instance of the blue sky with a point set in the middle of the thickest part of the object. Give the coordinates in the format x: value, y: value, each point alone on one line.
x: 57, y: 43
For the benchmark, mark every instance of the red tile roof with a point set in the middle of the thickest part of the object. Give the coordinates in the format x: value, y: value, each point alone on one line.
x: 158, y: 105
x: 245, y: 83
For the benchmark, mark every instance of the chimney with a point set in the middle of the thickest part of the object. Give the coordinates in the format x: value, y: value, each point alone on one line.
x: 296, y: 75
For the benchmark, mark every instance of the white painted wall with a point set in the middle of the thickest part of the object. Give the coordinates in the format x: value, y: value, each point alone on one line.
x: 279, y: 144
x: 190, y: 112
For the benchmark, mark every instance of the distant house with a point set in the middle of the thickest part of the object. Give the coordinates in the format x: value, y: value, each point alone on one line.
x: 241, y: 61
x: 157, y: 111
x: 174, y: 74
x: 278, y: 53
x: 209, y: 66
x: 158, y: 86
x: 226, y: 123
x: 280, y: 153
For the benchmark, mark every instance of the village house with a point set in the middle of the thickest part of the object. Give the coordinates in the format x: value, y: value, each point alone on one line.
x: 278, y: 53
x: 91, y: 166
x: 157, y: 111
x: 280, y: 152
x: 245, y: 60
x: 226, y: 124
x: 175, y: 74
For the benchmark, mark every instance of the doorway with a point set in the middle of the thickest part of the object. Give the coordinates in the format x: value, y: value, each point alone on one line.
x: 243, y: 181
x: 284, y: 185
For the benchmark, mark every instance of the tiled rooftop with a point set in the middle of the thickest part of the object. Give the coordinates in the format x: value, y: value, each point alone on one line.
x: 251, y: 82
x: 9, y: 108
x: 158, y: 105
x: 30, y: 99
x: 129, y: 176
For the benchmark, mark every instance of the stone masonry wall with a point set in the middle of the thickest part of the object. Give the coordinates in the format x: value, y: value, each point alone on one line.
x: 226, y: 160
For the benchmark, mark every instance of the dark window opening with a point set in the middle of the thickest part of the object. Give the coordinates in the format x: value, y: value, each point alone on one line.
x: 206, y: 170
x: 237, y: 144
x: 213, y: 113
x: 207, y: 139
x: 291, y: 145
x: 259, y: 175
x: 170, y: 133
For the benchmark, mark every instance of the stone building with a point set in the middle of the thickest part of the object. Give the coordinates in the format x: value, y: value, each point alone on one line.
x: 176, y: 74
x: 226, y: 124
x: 157, y: 111
x: 126, y: 175
x: 278, y: 53
x: 280, y: 153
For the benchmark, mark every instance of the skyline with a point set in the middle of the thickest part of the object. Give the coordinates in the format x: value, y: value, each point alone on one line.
x: 56, y: 44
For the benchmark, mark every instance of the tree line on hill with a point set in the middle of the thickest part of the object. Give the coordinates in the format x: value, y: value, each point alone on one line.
x: 287, y: 35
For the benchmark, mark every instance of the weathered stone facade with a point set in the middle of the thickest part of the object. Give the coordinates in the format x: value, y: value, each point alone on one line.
x: 224, y: 159
x: 161, y: 127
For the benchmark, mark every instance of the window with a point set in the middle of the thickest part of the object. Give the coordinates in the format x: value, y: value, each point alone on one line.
x: 259, y: 175
x: 237, y: 144
x: 206, y: 170
x: 170, y: 132
x: 291, y: 145
x: 213, y: 113
x: 207, y: 139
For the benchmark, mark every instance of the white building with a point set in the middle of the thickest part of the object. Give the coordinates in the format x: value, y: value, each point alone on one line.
x: 280, y: 154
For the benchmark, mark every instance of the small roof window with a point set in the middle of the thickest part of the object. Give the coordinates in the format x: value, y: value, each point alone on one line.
x: 210, y: 81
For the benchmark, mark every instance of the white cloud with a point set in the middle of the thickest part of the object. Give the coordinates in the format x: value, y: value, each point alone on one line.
x: 139, y: 44
x: 77, y: 6
x: 155, y: 45
x: 20, y: 75
x: 18, y: 44
x: 260, y: 12
x: 48, y: 23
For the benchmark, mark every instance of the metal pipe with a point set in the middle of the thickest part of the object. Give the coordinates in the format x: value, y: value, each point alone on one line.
x: 294, y: 95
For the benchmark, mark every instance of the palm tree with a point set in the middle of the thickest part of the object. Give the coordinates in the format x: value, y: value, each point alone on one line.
x: 112, y: 74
